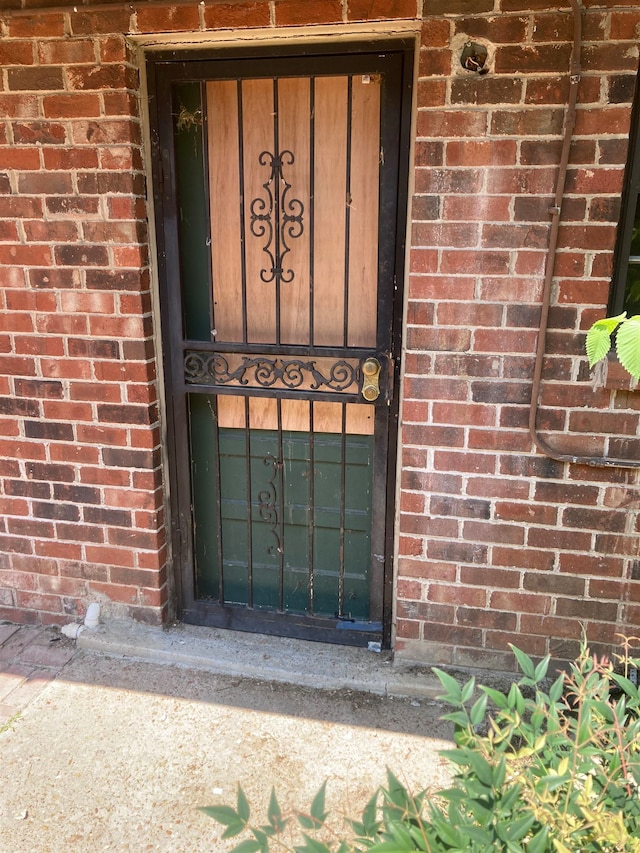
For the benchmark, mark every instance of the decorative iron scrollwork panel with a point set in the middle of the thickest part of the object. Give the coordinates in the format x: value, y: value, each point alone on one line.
x: 279, y: 218
x: 268, y: 505
x: 278, y: 373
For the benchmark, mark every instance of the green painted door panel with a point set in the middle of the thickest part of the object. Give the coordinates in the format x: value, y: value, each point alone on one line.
x: 272, y: 514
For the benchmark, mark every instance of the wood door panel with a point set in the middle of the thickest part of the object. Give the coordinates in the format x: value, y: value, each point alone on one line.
x: 224, y: 183
x: 330, y: 126
x: 330, y: 195
x: 294, y: 131
x: 257, y: 137
x: 363, y: 212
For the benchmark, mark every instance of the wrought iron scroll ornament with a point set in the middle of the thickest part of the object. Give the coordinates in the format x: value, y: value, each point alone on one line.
x: 214, y: 369
x: 278, y: 218
x: 268, y: 505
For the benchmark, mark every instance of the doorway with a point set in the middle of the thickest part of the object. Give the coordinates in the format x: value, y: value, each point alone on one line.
x: 280, y: 193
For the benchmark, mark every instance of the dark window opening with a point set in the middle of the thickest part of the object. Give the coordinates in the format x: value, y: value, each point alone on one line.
x: 625, y: 293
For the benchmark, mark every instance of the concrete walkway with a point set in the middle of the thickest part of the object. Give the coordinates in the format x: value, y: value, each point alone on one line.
x: 112, y: 743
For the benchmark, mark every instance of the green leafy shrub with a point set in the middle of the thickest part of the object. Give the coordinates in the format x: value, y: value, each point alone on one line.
x: 627, y: 330
x: 542, y: 767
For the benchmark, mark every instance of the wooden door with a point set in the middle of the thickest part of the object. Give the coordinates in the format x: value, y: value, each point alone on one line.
x: 279, y: 212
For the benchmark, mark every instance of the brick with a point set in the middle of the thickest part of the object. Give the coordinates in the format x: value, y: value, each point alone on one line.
x: 530, y: 122
x: 439, y: 339
x: 236, y: 16
x: 608, y: 57
x: 429, y: 153
x: 289, y: 12
x: 364, y: 10
x: 54, y: 52
x: 70, y: 158
x: 92, y: 23
x: 81, y: 255
x: 167, y: 19
x: 42, y: 25
x: 44, y: 78
x: 58, y: 512
x: 17, y: 52
x: 113, y: 76
x: 38, y: 601
x: 106, y: 132
x: 486, y: 90
x: 482, y: 618
x: 449, y: 123
x: 434, y: 63
x: 432, y: 93
x: 19, y: 106
x: 49, y: 430
x: 116, y: 457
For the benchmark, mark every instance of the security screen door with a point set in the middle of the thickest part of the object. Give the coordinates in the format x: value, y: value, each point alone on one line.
x: 280, y: 193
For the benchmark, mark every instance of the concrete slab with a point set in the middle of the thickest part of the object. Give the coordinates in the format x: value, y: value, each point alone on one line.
x: 277, y: 659
x: 116, y: 754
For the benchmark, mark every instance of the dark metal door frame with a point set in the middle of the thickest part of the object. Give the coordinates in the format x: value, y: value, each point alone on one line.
x: 394, y: 61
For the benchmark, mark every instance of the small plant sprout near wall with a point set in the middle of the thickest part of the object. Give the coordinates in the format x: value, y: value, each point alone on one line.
x: 627, y: 341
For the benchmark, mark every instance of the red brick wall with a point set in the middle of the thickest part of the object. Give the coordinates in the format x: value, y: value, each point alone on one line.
x: 498, y: 543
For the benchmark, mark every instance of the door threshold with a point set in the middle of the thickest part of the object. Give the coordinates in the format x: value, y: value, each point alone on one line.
x: 262, y: 657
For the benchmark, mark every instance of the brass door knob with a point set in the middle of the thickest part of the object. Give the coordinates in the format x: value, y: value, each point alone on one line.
x: 371, y: 379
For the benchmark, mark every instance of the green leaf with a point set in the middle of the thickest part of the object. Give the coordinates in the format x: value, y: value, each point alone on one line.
x: 538, y: 843
x: 498, y: 698
x: 626, y: 684
x: 481, y: 768
x: 518, y: 828
x: 248, y: 846
x: 478, y: 711
x: 450, y: 685
x: 467, y: 690
x: 524, y: 662
x: 222, y: 814
x: 234, y: 829
x: 369, y: 816
x: 628, y: 345
x: 449, y: 834
x: 541, y: 669
x: 460, y: 718
x: 515, y: 698
x: 552, y: 782
x: 598, y: 342
x: 500, y: 773
x: 392, y: 847
x: 243, y: 806
x: 312, y: 846
x: 274, y: 814
x: 556, y: 689
x: 317, y: 806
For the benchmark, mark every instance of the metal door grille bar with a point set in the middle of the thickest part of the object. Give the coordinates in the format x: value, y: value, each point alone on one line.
x: 277, y: 211
x: 347, y: 217
x: 218, y: 482
x: 280, y: 504
x: 243, y: 234
x: 312, y: 110
x: 343, y: 482
x: 247, y: 446
x: 300, y: 350
x: 312, y: 525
